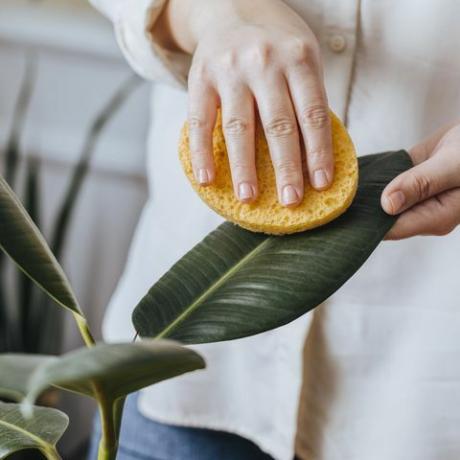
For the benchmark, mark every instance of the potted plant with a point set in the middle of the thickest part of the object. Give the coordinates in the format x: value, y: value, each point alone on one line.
x: 194, y: 307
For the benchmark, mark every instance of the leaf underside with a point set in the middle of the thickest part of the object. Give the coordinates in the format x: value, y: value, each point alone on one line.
x: 40, y: 432
x: 236, y: 283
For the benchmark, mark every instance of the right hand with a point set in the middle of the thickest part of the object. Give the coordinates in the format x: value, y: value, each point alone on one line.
x: 250, y: 54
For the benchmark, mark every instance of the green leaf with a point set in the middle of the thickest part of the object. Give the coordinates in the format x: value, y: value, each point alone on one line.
x: 236, y: 283
x: 114, y: 370
x: 40, y: 432
x: 23, y: 242
x: 26, y: 288
x: 15, y: 372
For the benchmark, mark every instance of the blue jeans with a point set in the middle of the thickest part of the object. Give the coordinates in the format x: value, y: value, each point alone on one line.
x: 144, y: 439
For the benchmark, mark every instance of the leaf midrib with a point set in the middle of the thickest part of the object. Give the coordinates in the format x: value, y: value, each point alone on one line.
x: 45, y: 446
x: 196, y: 303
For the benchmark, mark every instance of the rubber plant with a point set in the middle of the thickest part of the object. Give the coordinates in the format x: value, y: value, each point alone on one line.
x: 233, y: 284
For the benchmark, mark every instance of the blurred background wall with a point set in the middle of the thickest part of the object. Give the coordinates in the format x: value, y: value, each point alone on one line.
x: 74, y: 70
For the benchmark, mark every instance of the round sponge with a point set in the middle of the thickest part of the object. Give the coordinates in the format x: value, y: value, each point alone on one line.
x: 266, y: 214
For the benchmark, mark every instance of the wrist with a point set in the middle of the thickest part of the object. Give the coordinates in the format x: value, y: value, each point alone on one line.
x: 189, y: 20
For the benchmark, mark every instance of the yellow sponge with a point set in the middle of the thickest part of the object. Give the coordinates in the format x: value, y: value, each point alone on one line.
x: 266, y: 214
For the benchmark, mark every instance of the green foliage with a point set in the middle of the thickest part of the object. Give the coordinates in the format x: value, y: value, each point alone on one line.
x: 41, y: 431
x: 116, y: 370
x: 237, y: 283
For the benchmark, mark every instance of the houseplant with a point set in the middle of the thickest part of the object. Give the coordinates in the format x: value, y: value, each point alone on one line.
x: 246, y: 283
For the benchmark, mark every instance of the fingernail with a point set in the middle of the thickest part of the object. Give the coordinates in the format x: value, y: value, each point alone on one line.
x: 320, y: 179
x: 245, y: 192
x: 203, y: 176
x: 395, y: 201
x: 290, y: 195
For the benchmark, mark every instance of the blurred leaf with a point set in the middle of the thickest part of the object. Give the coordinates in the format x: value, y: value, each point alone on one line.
x: 107, y: 113
x: 115, y: 369
x: 19, y: 117
x: 23, y: 242
x: 9, y: 338
x: 15, y: 372
x: 40, y: 432
x: 3, y: 323
x: 28, y: 317
x: 236, y: 283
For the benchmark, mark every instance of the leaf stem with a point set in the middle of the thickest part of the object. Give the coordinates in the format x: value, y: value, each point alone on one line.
x: 51, y: 454
x: 108, y: 444
x: 84, y: 330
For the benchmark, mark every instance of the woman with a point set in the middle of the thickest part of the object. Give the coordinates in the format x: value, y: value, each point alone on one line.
x: 381, y: 372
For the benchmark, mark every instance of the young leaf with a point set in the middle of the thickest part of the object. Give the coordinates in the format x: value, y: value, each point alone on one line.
x: 40, y: 432
x: 23, y: 242
x: 115, y: 369
x: 15, y: 372
x: 236, y: 283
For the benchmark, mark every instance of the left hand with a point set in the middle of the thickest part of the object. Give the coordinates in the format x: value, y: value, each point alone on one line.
x: 427, y: 196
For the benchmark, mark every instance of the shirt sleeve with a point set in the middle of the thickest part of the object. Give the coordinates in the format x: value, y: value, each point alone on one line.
x: 133, y: 22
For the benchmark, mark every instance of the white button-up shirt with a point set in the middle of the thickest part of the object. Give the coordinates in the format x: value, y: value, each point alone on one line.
x: 379, y: 376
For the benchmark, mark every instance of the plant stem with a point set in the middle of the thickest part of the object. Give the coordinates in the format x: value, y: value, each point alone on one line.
x: 51, y: 454
x: 118, y: 408
x: 84, y: 330
x: 108, y: 444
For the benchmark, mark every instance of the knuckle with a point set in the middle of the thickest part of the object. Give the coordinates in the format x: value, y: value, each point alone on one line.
x: 319, y: 155
x: 301, y: 51
x: 288, y: 169
x: 280, y: 127
x: 239, y: 168
x: 316, y: 116
x: 260, y: 54
x: 236, y: 126
x: 421, y: 185
x: 228, y: 60
x: 197, y: 123
x: 199, y: 157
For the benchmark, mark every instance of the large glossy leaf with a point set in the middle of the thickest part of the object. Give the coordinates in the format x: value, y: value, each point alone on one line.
x: 41, y: 431
x: 236, y: 283
x: 114, y: 370
x: 23, y: 242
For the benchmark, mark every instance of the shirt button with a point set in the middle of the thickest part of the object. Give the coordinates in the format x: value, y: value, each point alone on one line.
x: 337, y: 43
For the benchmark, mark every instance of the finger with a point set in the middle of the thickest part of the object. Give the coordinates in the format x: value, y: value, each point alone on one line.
x: 312, y: 112
x: 431, y: 177
x: 280, y: 126
x: 202, y: 113
x: 239, y: 131
x: 436, y: 216
x: 425, y: 149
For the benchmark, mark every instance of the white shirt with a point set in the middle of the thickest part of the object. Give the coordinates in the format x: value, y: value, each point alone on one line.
x: 381, y: 364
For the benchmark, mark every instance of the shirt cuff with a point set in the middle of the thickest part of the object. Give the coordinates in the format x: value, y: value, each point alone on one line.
x: 134, y: 23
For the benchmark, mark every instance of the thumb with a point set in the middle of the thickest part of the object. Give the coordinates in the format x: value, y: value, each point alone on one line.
x: 419, y: 183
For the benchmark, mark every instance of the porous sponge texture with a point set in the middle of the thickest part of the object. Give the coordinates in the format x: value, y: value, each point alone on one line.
x: 266, y: 214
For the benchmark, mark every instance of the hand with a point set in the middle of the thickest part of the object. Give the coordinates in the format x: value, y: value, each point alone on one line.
x: 255, y: 53
x: 427, y: 196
